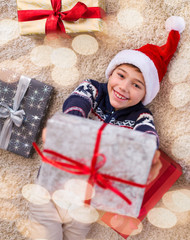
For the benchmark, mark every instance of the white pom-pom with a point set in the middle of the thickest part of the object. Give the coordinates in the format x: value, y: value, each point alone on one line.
x: 175, y: 23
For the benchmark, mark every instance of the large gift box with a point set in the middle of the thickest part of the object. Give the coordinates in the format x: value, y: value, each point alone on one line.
x: 23, y: 105
x: 114, y: 162
x: 47, y: 16
x: 168, y: 175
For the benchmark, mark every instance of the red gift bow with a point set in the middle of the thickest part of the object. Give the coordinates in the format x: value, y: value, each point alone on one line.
x: 54, y: 17
x: 101, y: 179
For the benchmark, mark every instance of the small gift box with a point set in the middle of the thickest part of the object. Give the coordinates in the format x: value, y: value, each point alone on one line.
x: 47, y: 16
x: 114, y: 162
x: 23, y: 105
x: 168, y: 175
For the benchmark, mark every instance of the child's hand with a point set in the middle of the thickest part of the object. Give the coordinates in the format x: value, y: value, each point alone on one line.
x: 43, y: 135
x: 155, y: 168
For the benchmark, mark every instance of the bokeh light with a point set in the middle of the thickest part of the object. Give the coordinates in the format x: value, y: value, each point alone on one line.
x: 84, y: 213
x: 9, y: 30
x: 162, y: 218
x: 36, y: 194
x: 80, y: 188
x: 85, y: 44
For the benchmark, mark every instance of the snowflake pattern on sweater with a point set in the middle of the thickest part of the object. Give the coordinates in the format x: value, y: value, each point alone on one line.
x: 91, y: 100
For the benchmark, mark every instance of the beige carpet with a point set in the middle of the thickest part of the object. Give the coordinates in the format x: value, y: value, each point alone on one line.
x: 129, y: 24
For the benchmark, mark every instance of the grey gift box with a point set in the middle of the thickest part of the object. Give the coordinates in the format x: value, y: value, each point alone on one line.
x: 128, y: 154
x: 33, y: 104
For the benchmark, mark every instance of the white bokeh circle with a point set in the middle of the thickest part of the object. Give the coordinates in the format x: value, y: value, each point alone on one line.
x: 180, y: 147
x: 83, y: 213
x: 65, y: 76
x: 85, y: 44
x: 178, y: 200
x: 40, y: 55
x: 180, y: 95
x: 63, y: 57
x: 176, y: 74
x: 162, y: 218
x: 126, y: 225
x: 129, y: 18
x: 9, y: 30
x: 36, y: 194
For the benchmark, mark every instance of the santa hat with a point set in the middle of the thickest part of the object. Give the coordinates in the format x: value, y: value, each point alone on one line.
x: 152, y: 60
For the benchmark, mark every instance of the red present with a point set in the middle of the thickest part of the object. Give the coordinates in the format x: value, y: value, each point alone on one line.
x: 168, y: 175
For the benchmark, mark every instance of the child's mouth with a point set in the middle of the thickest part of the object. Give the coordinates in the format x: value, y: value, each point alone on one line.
x: 118, y: 95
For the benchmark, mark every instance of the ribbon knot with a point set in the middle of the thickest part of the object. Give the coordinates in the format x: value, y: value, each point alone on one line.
x: 16, y: 116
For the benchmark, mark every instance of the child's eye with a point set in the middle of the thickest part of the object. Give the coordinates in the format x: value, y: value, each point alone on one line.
x: 121, y: 75
x: 136, y: 85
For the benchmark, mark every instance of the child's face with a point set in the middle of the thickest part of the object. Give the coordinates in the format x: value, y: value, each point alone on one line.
x: 126, y: 87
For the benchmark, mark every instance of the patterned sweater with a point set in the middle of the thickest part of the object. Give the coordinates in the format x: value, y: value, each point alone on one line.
x: 91, y: 100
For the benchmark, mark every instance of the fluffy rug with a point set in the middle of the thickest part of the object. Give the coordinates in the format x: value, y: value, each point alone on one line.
x: 64, y: 63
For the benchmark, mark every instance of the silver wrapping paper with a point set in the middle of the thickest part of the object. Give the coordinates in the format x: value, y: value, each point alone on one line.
x: 128, y: 154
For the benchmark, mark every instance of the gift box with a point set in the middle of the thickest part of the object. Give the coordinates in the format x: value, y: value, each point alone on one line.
x: 168, y: 175
x: 23, y: 105
x: 114, y: 161
x: 47, y: 16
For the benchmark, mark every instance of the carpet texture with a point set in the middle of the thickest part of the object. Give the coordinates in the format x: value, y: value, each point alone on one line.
x: 64, y: 63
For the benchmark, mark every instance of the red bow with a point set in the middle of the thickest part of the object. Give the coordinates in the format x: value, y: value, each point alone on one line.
x: 54, y: 17
x: 74, y: 167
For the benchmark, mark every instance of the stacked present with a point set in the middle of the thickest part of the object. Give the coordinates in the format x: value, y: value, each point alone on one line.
x: 47, y: 16
x: 23, y: 105
x: 114, y: 162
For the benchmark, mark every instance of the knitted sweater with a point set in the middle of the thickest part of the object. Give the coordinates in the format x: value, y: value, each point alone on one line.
x: 91, y: 100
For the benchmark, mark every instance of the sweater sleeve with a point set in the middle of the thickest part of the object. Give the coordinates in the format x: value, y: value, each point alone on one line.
x: 81, y: 99
x: 145, y: 123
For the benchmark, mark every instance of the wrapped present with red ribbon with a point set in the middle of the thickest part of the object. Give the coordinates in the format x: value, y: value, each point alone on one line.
x: 114, y: 162
x: 50, y: 16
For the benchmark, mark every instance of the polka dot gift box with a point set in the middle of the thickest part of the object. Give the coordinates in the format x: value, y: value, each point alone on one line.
x: 64, y: 16
x: 23, y: 104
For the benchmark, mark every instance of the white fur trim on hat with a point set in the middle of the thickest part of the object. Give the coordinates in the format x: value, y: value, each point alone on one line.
x: 175, y: 23
x: 145, y: 64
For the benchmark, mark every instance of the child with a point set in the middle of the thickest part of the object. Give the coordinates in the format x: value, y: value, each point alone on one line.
x: 133, y: 82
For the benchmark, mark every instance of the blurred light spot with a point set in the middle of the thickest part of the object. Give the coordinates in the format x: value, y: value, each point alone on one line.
x: 65, y: 76
x: 84, y: 213
x: 40, y: 55
x: 180, y: 147
x: 64, y: 198
x: 177, y: 201
x: 175, y: 73
x: 180, y: 95
x: 80, y: 188
x: 63, y: 58
x: 85, y: 44
x: 9, y: 30
x: 162, y: 218
x: 126, y: 225
x: 130, y: 18
x: 35, y: 194
x: 181, y: 199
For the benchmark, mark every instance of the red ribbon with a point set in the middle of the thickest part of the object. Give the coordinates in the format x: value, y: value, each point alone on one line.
x: 74, y: 167
x: 54, y: 17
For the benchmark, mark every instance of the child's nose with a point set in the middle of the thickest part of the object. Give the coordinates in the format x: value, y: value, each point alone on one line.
x: 125, y: 85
